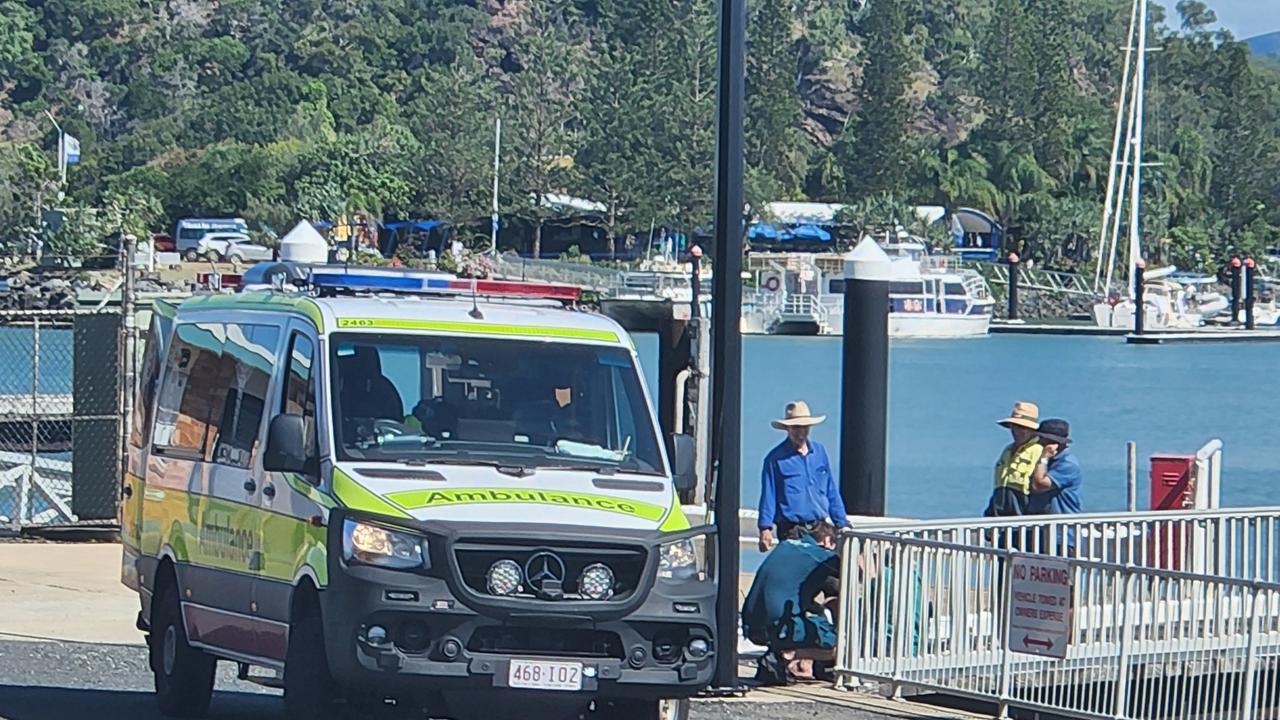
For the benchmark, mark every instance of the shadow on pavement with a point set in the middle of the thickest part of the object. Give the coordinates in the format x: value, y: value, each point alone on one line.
x: 57, y: 703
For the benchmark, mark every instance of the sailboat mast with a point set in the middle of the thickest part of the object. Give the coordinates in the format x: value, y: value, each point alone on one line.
x: 1135, y: 202
x: 1105, y: 239
x: 1117, y: 218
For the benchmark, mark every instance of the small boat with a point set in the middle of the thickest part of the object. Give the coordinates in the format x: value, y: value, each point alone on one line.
x: 1172, y: 301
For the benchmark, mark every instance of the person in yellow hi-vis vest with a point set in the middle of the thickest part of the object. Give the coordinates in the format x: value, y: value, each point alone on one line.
x: 1017, y: 462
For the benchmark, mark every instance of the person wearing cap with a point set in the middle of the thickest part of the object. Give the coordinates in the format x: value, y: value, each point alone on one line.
x: 782, y: 610
x: 798, y: 489
x: 1055, y: 483
x: 1017, y: 462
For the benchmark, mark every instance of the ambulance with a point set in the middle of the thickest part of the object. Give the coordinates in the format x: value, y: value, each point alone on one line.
x: 376, y: 487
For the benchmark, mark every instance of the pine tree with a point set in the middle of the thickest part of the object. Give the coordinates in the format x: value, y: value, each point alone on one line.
x: 614, y: 162
x: 1247, y: 142
x: 540, y: 103
x: 775, y: 145
x: 1052, y: 108
x: 878, y: 152
x: 1008, y: 79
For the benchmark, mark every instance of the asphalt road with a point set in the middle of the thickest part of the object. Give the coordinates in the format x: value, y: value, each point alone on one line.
x: 64, y: 681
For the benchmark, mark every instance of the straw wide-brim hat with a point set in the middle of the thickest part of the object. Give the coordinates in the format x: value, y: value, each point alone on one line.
x: 797, y: 415
x: 1025, y: 414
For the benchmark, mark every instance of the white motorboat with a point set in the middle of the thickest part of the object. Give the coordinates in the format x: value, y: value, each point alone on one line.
x: 1170, y: 304
x: 929, y: 296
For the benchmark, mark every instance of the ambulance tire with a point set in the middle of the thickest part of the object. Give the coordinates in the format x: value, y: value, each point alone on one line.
x: 184, y: 675
x: 646, y: 710
x: 309, y: 688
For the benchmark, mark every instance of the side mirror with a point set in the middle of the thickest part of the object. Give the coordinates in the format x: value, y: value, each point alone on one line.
x: 684, y: 462
x: 286, y: 445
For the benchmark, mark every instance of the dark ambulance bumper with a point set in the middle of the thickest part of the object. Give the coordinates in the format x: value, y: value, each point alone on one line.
x: 443, y: 635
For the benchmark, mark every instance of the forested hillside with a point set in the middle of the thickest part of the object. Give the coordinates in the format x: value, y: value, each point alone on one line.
x: 276, y: 111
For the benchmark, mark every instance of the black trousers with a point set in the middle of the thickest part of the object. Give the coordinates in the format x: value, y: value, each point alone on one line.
x: 788, y: 530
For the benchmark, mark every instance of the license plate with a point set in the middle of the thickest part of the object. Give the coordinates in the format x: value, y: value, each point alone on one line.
x: 544, y: 675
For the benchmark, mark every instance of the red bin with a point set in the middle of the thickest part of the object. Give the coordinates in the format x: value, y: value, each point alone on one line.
x: 1173, y: 487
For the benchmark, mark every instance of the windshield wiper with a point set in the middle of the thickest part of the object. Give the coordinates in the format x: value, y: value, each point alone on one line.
x: 515, y: 470
x: 598, y: 469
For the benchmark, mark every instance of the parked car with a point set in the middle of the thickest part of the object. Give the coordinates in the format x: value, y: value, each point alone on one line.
x: 163, y: 242
x: 233, y: 247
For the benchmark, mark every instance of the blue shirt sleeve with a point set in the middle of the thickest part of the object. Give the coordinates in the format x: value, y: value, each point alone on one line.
x: 1065, y: 475
x: 839, y: 516
x: 768, y: 493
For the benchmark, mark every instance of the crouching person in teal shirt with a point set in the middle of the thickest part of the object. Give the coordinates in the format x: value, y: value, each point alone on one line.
x: 781, y: 610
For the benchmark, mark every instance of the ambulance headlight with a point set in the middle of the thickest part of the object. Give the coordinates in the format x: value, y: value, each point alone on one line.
x: 377, y: 545
x: 683, y: 559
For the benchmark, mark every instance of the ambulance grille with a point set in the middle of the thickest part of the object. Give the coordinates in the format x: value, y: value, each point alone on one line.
x: 627, y: 563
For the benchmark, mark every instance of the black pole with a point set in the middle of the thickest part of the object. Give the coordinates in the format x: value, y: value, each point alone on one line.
x: 1250, y: 280
x: 674, y: 356
x: 1013, y: 286
x: 726, y: 340
x: 865, y: 381
x: 695, y: 281
x: 1139, y: 304
x: 1235, y: 291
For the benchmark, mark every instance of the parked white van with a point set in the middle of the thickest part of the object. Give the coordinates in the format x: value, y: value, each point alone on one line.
x: 191, y: 231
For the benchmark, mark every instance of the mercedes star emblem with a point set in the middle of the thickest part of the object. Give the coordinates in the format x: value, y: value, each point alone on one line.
x: 544, y: 571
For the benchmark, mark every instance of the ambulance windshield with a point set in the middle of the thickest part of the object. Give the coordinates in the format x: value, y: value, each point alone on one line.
x: 527, y: 404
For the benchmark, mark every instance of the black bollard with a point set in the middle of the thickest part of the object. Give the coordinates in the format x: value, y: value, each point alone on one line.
x: 1013, y: 286
x: 1235, y: 291
x: 695, y: 265
x: 1139, y: 302
x: 726, y: 340
x: 865, y: 381
x: 1250, y: 281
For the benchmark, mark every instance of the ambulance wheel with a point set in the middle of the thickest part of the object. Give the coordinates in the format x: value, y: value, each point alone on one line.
x: 184, y: 675
x: 308, y: 686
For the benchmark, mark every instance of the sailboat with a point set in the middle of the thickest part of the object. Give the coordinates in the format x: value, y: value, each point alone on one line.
x: 1167, y: 303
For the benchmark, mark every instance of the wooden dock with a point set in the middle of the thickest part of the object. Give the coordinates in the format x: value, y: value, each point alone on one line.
x: 1070, y: 329
x: 1207, y: 335
x: 25, y: 406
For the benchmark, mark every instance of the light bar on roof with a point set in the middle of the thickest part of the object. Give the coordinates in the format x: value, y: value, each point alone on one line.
x: 439, y: 284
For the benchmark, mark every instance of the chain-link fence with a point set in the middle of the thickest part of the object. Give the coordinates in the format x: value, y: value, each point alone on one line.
x: 60, y: 410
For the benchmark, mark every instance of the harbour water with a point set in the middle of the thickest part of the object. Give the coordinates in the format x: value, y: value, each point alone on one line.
x: 946, y: 395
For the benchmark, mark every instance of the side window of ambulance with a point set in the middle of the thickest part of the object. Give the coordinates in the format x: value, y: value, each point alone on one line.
x: 188, y: 396
x: 247, y: 359
x: 299, y: 397
x: 148, y: 380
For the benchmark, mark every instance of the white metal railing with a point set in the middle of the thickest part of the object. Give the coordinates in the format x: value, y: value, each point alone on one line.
x: 590, y: 277
x: 1143, y: 642
x: 1250, y: 547
x: 804, y: 305
x: 1034, y: 279
x: 1239, y: 543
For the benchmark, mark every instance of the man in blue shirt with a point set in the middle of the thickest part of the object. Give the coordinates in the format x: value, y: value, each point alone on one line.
x: 1055, y: 483
x: 797, y: 486
x: 780, y: 611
